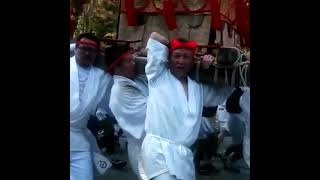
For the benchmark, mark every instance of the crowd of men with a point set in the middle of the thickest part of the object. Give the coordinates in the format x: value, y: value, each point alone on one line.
x: 164, y: 114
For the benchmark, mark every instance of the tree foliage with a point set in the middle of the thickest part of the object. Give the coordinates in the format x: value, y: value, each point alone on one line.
x: 99, y: 17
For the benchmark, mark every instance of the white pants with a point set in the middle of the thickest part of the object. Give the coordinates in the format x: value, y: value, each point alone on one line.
x: 81, y: 165
x: 165, y: 176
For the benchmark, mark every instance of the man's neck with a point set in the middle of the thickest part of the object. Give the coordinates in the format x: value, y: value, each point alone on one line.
x: 183, y: 80
x: 84, y: 66
x: 87, y: 68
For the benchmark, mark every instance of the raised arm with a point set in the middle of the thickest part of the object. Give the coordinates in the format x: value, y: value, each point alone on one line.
x: 129, y: 109
x: 103, y: 93
x: 103, y: 109
x: 157, y: 56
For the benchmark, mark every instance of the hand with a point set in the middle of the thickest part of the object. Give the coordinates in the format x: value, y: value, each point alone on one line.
x: 158, y: 37
x: 142, y: 52
x: 206, y: 61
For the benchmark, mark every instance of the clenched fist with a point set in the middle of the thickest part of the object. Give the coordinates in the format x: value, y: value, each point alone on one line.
x: 207, y: 61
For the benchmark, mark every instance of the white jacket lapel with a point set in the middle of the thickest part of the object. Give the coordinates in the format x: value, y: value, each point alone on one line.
x: 74, y: 85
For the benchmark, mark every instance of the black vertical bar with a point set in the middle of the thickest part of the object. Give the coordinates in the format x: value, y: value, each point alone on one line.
x: 118, y: 23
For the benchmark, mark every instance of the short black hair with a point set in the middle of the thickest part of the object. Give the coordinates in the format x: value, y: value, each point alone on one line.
x: 114, y: 51
x: 90, y: 36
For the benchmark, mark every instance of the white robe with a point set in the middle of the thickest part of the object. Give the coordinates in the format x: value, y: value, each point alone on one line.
x: 231, y: 123
x: 128, y: 103
x: 245, y: 105
x: 238, y: 124
x: 172, y: 121
x: 81, y: 139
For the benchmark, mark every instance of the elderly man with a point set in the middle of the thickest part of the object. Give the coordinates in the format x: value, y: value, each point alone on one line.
x: 128, y: 100
x: 174, y: 108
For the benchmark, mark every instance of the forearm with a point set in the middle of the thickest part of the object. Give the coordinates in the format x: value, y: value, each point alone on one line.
x: 157, y: 57
x: 160, y: 38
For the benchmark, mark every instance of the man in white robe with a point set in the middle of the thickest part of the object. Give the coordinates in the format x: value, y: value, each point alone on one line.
x: 236, y: 120
x: 244, y: 116
x: 87, y: 87
x: 245, y: 105
x: 174, y: 109
x: 128, y: 100
x: 230, y: 124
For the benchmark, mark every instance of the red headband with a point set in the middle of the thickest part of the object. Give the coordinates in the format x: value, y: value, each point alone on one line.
x: 87, y: 43
x: 176, y: 44
x: 118, y: 60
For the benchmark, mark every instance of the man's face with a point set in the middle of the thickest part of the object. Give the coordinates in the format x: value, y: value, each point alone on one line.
x: 86, y: 53
x: 128, y: 66
x: 181, y: 62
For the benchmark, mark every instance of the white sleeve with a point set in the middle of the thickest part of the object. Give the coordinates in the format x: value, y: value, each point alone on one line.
x: 245, y: 104
x: 214, y: 95
x: 126, y: 101
x: 157, y: 59
x: 103, y: 108
x: 129, y: 109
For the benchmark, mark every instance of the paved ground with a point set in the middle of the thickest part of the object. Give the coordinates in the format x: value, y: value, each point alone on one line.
x: 126, y: 173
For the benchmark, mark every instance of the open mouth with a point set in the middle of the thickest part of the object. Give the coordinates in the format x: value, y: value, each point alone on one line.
x: 180, y: 68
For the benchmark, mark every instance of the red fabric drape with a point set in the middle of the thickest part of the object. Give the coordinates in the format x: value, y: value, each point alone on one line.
x: 216, y: 22
x: 131, y: 12
x: 168, y: 14
x: 243, y: 20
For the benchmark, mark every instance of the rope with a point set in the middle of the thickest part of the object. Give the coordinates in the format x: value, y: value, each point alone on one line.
x: 198, y: 71
x: 239, y: 60
x: 243, y: 70
x: 226, y: 80
x: 245, y: 73
x: 238, y: 64
x: 215, y: 77
x: 233, y: 77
